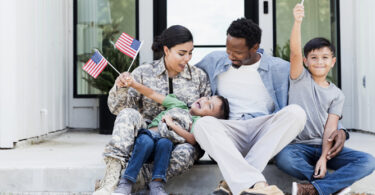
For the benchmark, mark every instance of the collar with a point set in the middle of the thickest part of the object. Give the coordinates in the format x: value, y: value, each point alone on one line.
x: 264, y: 62
x: 160, y: 69
x: 264, y: 65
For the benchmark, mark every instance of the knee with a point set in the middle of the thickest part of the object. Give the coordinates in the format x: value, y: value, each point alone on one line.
x: 183, y: 155
x: 203, y: 124
x: 164, y: 144
x: 368, y: 163
x: 145, y: 141
x: 128, y: 112
x: 297, y: 113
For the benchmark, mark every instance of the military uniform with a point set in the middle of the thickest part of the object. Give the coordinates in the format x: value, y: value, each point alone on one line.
x: 133, y: 110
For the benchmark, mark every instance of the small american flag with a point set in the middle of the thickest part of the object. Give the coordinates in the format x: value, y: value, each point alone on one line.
x: 95, y: 65
x: 128, y: 45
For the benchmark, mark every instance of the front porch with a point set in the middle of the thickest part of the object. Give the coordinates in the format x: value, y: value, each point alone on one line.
x: 70, y: 161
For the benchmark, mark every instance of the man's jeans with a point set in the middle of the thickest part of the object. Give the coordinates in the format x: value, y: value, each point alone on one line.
x: 298, y: 160
x: 148, y: 147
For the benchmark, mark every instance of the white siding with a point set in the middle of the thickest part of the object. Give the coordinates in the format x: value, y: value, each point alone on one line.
x: 358, y: 49
x: 33, y: 77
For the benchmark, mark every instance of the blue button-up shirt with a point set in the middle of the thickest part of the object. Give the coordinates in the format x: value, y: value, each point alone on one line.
x: 273, y: 71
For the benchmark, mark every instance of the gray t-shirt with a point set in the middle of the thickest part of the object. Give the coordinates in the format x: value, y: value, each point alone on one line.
x: 317, y: 102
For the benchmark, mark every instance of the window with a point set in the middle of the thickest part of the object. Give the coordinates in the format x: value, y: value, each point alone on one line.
x: 208, y: 21
x: 98, y: 24
x: 321, y: 20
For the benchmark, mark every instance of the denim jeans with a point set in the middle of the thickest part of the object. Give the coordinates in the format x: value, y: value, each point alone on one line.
x: 298, y: 160
x: 148, y: 147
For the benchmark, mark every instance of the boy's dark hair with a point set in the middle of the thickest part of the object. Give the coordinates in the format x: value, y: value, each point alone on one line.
x: 245, y: 28
x: 318, y: 43
x: 224, y: 108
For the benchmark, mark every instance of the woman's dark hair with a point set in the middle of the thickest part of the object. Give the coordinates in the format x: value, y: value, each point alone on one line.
x: 224, y: 108
x: 318, y: 43
x: 170, y: 37
x: 245, y: 28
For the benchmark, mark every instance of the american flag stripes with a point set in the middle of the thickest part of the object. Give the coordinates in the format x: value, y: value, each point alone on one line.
x: 95, y: 65
x: 128, y: 45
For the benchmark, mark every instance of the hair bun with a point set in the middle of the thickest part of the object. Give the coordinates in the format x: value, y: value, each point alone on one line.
x: 157, y: 45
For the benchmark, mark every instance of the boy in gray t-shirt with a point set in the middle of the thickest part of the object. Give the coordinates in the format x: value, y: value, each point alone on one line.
x: 307, y: 157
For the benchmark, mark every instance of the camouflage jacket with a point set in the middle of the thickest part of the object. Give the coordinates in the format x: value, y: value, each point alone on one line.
x: 188, y: 86
x: 181, y: 117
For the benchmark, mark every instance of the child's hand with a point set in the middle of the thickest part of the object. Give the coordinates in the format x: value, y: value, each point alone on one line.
x: 128, y: 79
x: 167, y: 119
x: 320, y: 168
x: 299, y: 13
x: 124, y: 80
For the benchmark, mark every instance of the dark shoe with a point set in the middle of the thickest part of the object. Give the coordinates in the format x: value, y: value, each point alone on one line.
x: 222, y: 189
x: 303, y: 189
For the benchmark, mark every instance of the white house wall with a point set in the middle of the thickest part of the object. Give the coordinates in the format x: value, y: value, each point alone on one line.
x: 33, y: 76
x: 357, y: 63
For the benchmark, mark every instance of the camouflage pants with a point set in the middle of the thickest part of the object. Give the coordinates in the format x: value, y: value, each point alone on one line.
x: 125, y: 130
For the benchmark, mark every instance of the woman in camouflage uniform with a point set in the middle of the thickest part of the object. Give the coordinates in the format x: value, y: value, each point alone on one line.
x: 170, y: 74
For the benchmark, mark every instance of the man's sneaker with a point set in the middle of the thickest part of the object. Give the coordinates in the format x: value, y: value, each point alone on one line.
x: 262, y: 189
x: 343, y: 191
x: 157, y: 188
x: 303, y: 189
x: 124, y: 187
x: 222, y: 189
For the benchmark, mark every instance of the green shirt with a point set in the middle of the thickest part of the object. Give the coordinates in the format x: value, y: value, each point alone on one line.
x: 170, y: 102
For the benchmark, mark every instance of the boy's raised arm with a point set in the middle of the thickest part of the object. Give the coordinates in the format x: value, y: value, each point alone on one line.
x: 146, y: 91
x: 296, y: 59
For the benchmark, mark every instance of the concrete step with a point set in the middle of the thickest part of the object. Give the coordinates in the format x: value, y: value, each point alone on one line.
x: 71, y: 162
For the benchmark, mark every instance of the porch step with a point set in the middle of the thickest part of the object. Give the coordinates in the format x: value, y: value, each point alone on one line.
x: 71, y: 163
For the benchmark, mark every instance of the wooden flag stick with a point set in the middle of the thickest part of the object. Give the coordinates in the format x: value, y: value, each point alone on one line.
x: 108, y: 62
x: 135, y: 56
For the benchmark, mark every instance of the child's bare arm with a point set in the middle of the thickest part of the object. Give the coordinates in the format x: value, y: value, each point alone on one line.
x: 329, y: 128
x: 296, y: 59
x: 146, y: 91
x: 189, y: 137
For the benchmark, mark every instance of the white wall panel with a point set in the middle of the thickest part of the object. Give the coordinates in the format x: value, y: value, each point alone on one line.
x: 357, y: 63
x: 34, y: 78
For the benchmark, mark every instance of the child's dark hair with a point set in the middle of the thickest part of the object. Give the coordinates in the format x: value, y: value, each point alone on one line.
x: 245, y: 28
x: 170, y: 37
x: 224, y: 108
x: 318, y: 43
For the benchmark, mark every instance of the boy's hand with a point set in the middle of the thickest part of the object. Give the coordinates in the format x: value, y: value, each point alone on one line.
x: 167, y: 119
x: 124, y: 80
x: 320, y: 168
x: 299, y: 13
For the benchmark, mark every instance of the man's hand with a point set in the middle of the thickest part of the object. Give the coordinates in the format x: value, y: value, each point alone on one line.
x: 338, y: 137
x: 320, y: 168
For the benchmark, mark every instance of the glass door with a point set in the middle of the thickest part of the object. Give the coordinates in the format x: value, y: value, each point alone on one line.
x: 321, y: 20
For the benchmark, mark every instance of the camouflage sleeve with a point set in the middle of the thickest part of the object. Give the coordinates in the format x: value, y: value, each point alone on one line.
x: 120, y: 98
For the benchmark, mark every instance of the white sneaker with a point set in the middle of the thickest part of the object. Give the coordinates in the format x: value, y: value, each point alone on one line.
x: 344, y: 191
x: 294, y: 188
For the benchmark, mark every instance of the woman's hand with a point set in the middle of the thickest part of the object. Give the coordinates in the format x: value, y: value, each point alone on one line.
x: 124, y: 80
x: 320, y: 168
